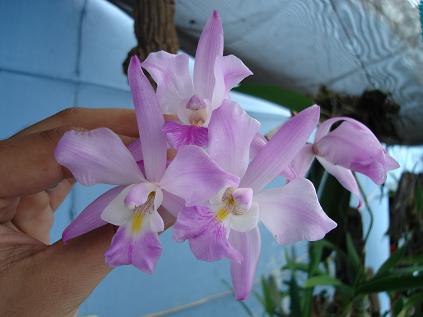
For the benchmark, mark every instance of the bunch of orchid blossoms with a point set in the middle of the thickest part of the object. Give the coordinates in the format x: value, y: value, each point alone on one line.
x: 215, y: 185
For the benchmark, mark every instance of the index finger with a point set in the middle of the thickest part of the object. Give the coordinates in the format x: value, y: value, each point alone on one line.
x: 122, y: 121
x: 27, y: 163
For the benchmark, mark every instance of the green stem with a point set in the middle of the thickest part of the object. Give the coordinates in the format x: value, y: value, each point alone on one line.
x: 369, y: 210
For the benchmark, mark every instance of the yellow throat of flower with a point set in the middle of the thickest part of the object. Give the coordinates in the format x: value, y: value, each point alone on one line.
x: 222, y: 213
x: 229, y: 206
x: 140, y: 212
x: 198, y: 123
x: 137, y: 221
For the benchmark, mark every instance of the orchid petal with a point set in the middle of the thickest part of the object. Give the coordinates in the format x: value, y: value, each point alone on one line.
x: 146, y: 255
x: 210, y: 45
x: 97, y: 156
x: 344, y: 176
x: 89, y: 219
x: 171, y: 73
x: 158, y: 198
x: 191, y: 222
x: 116, y: 212
x: 293, y: 213
x: 257, y: 145
x: 325, y: 127
x: 135, y: 149
x: 193, y: 176
x: 390, y: 162
x: 155, y: 222
x: 231, y: 131
x: 281, y: 149
x: 119, y: 252
x: 180, y: 134
x: 374, y: 170
x: 213, y: 244
x: 233, y: 70
x: 246, y: 221
x: 300, y: 165
x: 355, y: 147
x: 229, y: 71
x: 173, y: 204
x: 150, y: 121
x: 207, y: 236
x: 142, y: 251
x: 248, y: 245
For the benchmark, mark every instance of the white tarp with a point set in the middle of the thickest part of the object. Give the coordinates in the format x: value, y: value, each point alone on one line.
x: 347, y: 45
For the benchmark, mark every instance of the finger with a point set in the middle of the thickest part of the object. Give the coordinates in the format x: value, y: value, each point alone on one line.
x: 8, y: 208
x: 122, y: 121
x: 28, y: 166
x: 34, y: 216
x: 60, y: 276
x: 72, y: 270
x: 59, y: 193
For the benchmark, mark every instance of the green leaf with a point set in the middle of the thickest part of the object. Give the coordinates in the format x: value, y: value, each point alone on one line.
x: 416, y: 269
x: 293, y: 100
x: 307, y: 302
x: 335, y: 202
x: 398, y: 305
x: 353, y: 258
x: 419, y: 197
x: 315, y: 251
x: 267, y: 298
x: 275, y: 293
x: 392, y: 282
x: 295, y: 266
x: 322, y: 280
x: 409, y: 303
x: 391, y: 262
x: 294, y: 294
x: 411, y: 260
x: 272, y: 297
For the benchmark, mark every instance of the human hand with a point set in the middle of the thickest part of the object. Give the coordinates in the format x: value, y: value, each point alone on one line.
x: 38, y: 279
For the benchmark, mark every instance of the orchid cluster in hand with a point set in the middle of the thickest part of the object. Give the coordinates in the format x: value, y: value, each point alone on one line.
x: 215, y: 184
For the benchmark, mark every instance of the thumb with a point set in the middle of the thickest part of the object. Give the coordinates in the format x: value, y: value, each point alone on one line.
x: 69, y: 272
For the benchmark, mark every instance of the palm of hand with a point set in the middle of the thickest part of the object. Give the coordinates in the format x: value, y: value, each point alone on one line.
x: 38, y: 279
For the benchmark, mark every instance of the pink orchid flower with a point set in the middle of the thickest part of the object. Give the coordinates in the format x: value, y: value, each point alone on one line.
x: 227, y: 226
x: 193, y: 101
x: 349, y: 147
x: 99, y: 156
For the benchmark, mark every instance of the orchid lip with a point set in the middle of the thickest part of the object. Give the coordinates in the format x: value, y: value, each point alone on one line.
x: 140, y: 212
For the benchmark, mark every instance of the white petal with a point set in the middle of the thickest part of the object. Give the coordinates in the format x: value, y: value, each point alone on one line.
x: 116, y: 212
x: 158, y: 199
x: 247, y: 221
x: 154, y: 222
